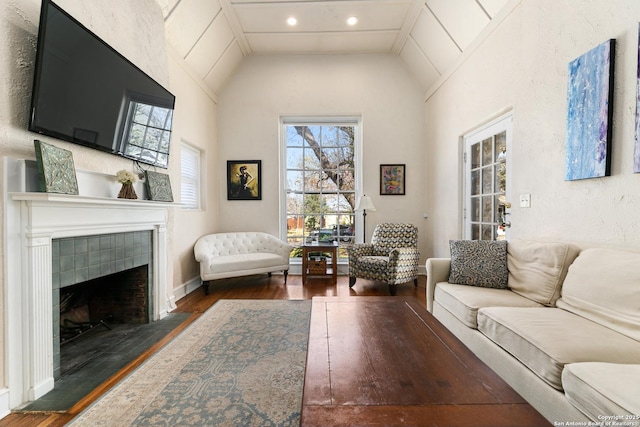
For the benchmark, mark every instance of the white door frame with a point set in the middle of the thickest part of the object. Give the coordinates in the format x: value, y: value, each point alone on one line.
x: 503, y: 123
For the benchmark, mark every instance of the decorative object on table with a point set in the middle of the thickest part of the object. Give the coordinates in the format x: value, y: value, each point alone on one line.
x: 392, y: 180
x: 363, y: 204
x: 589, y: 113
x: 244, y: 181
x: 159, y: 186
x: 317, y: 265
x: 636, y: 153
x: 127, y: 179
x: 56, y: 171
x: 214, y: 374
x: 392, y: 257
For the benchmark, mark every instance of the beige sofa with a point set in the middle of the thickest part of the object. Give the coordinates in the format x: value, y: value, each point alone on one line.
x: 564, y: 332
x: 235, y: 254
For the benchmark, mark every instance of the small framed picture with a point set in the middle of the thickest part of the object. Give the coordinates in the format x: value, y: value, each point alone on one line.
x: 56, y: 171
x: 159, y: 186
x: 244, y: 180
x: 392, y: 180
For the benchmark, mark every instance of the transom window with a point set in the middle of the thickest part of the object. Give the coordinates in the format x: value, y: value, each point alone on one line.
x: 320, y: 181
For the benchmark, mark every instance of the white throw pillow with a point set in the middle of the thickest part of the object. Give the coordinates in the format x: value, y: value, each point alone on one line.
x: 603, y: 285
x: 537, y: 269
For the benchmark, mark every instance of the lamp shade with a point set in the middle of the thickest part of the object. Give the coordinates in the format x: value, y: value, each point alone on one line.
x: 365, y: 203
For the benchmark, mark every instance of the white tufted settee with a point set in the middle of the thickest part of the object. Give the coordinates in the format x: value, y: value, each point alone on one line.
x: 224, y: 255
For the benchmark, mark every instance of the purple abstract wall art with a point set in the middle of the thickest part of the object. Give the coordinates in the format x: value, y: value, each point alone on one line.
x: 636, y: 152
x: 589, y: 115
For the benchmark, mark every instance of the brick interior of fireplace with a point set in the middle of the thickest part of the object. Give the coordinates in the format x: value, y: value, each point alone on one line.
x: 114, y: 299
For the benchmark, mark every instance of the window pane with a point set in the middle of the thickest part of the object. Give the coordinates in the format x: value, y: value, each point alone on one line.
x: 487, y: 151
x: 311, y: 161
x: 159, y: 117
x: 295, y: 158
x: 487, y: 232
x: 141, y: 114
x: 475, y: 232
x: 475, y: 182
x: 152, y: 140
x: 475, y: 156
x: 295, y: 181
x: 475, y: 209
x: 487, y: 209
x: 164, y: 142
x: 487, y: 180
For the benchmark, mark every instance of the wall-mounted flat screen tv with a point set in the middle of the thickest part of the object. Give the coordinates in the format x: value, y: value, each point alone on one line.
x: 87, y: 93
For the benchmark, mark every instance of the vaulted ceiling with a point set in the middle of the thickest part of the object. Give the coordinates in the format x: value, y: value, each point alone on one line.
x: 213, y: 36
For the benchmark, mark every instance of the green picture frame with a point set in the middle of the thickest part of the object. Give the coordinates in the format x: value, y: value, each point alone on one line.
x: 158, y: 186
x: 56, y: 171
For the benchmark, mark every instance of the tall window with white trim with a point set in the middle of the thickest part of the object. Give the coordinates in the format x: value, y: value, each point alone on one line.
x: 320, y: 180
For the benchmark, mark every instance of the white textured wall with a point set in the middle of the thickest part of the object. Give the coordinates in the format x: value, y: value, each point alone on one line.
x: 522, y: 66
x: 376, y: 87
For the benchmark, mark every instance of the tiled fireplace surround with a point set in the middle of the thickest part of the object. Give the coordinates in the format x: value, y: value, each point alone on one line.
x: 34, y: 224
x: 76, y: 260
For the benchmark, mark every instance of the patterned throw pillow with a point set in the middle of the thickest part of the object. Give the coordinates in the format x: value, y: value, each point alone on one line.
x: 479, y: 263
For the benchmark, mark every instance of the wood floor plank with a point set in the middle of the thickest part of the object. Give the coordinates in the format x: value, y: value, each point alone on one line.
x: 385, y: 353
x: 422, y: 416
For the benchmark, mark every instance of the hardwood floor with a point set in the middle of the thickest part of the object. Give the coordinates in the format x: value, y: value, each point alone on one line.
x: 254, y: 287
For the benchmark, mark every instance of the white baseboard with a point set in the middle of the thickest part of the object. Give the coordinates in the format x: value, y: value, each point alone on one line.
x: 4, y: 402
x: 186, y: 288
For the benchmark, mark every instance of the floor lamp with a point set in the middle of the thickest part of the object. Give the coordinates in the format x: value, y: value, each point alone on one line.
x: 364, y: 204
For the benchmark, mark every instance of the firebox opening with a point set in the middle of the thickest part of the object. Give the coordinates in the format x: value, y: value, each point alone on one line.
x: 120, y: 298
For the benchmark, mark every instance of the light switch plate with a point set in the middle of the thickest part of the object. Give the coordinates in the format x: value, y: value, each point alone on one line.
x: 525, y: 200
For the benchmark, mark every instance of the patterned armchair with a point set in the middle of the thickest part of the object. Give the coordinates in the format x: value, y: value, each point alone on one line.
x: 391, y: 257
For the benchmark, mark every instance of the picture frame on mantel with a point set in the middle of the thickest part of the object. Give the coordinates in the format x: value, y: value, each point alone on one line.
x: 56, y: 170
x: 392, y: 180
x: 158, y: 186
x: 244, y: 180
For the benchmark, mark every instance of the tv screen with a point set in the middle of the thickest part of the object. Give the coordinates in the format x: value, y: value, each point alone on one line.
x: 87, y: 93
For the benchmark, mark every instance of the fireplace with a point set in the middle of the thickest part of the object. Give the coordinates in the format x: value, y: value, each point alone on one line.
x: 99, y: 278
x: 40, y: 266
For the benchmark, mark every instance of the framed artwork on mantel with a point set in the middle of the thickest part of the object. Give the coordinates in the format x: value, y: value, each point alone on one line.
x: 392, y: 180
x: 244, y: 180
x: 159, y: 186
x: 57, y: 173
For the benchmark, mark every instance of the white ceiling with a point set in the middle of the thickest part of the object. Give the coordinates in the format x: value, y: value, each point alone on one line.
x: 213, y: 36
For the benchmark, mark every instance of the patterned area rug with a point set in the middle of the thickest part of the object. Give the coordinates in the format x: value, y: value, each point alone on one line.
x: 240, y: 364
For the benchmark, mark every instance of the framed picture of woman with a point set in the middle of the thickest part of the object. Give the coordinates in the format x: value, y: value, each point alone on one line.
x: 244, y: 180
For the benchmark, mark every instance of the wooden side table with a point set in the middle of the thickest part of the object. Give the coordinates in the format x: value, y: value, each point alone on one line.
x: 331, y: 248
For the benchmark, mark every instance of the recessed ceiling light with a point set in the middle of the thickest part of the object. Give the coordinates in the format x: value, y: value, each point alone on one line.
x: 292, y: 21
x: 352, y: 20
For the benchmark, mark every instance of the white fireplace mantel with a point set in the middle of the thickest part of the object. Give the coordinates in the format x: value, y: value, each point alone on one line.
x: 33, y: 220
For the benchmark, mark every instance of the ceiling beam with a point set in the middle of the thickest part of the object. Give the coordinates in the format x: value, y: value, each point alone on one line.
x: 409, y: 22
x: 234, y: 23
